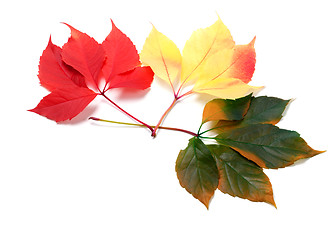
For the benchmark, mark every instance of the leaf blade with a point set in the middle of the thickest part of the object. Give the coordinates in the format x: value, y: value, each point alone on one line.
x: 267, y: 145
x: 162, y: 55
x: 54, y: 73
x: 224, y: 109
x: 64, y: 104
x: 121, y: 54
x: 240, y: 177
x: 85, y: 55
x: 197, y: 171
x: 265, y: 109
x: 202, y: 46
x: 137, y: 78
x: 226, y: 88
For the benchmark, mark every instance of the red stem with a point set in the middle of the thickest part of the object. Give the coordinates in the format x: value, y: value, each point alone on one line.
x: 176, y: 98
x: 163, y: 116
x: 141, y: 125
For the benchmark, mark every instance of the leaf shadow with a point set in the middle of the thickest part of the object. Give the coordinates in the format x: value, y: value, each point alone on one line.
x: 81, y: 117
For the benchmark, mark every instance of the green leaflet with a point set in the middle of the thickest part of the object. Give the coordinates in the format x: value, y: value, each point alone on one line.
x: 265, y: 110
x: 240, y: 177
x: 267, y: 145
x: 197, y: 171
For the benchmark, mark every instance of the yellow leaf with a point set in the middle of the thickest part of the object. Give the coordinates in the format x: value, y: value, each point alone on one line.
x: 162, y: 55
x: 203, y: 45
x: 228, y: 88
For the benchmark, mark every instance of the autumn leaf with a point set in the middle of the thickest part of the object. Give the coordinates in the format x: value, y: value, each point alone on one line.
x: 248, y: 142
x: 265, y: 109
x: 122, y: 67
x: 267, y: 145
x: 55, y: 73
x: 197, y: 171
x: 85, y: 55
x: 138, y: 78
x: 74, y: 73
x: 162, y: 55
x: 262, y: 109
x: 226, y: 109
x: 240, y: 177
x: 210, y: 60
x: 64, y: 104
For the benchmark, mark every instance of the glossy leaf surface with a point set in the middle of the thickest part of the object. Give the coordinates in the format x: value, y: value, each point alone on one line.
x: 240, y: 177
x: 197, y: 171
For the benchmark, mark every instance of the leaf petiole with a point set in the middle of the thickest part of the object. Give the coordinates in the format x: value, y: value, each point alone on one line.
x: 141, y: 125
x: 128, y: 114
x: 176, y: 99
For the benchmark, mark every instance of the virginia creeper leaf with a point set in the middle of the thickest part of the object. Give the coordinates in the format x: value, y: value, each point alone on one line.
x: 121, y: 54
x: 210, y: 59
x: 64, y: 104
x: 85, y: 55
x: 226, y: 109
x: 54, y: 73
x: 240, y: 177
x: 197, y: 171
x: 162, y: 55
x: 138, y: 78
x: 267, y: 145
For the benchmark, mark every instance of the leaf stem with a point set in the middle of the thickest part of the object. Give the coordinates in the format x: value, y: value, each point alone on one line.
x: 128, y: 114
x: 141, y: 125
x: 163, y: 116
x: 176, y: 98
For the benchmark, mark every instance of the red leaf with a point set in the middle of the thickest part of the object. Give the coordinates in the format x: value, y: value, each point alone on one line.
x: 85, y: 55
x: 138, y: 78
x: 64, y: 104
x: 54, y: 73
x: 121, y: 54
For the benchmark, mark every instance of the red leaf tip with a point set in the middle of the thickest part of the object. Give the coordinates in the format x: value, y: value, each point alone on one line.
x: 94, y: 118
x: 74, y: 32
x: 113, y: 25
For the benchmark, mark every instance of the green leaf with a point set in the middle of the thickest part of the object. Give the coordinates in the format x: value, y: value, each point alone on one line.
x: 265, y: 110
x: 197, y: 171
x: 226, y: 109
x: 240, y: 177
x: 261, y: 110
x: 267, y: 145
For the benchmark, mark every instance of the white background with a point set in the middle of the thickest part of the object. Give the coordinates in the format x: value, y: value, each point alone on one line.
x: 82, y: 180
